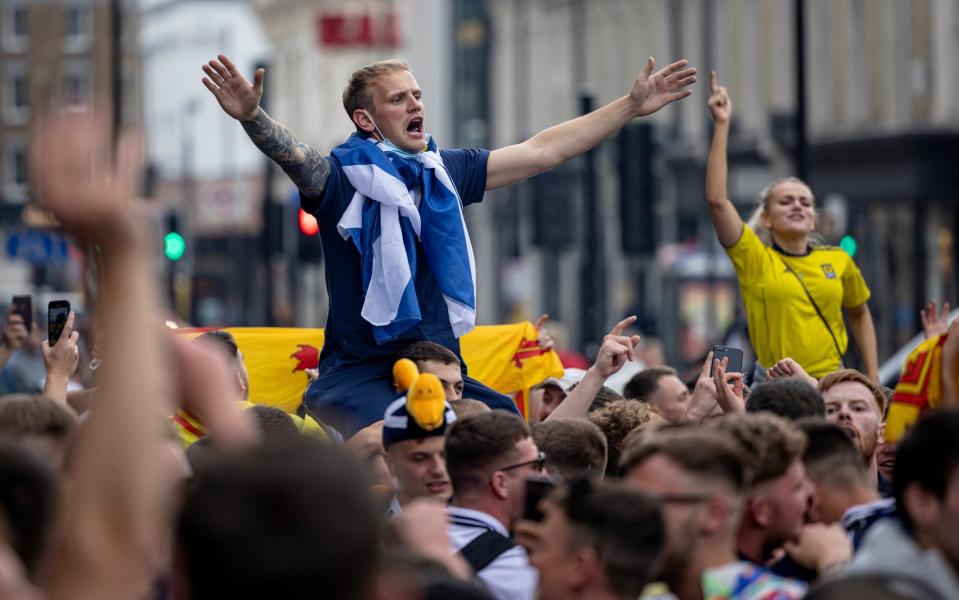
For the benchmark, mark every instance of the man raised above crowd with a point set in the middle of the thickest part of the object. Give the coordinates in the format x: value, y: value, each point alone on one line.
x: 389, y: 203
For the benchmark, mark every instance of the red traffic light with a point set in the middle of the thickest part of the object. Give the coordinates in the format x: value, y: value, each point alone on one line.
x: 308, y: 224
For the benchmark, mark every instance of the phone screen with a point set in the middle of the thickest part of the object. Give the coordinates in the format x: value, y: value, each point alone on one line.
x: 23, y: 306
x: 735, y: 356
x: 57, y: 313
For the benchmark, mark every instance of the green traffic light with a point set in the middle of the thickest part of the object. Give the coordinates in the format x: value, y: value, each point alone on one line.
x: 174, y: 246
x: 849, y: 244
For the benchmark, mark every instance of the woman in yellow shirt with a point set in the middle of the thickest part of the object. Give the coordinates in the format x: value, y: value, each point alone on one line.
x: 794, y: 289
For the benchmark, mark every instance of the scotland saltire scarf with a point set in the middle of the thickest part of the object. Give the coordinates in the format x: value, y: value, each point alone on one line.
x: 398, y: 201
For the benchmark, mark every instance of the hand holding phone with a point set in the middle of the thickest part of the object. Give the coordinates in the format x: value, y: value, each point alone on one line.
x: 23, y: 306
x: 57, y: 313
x: 735, y: 356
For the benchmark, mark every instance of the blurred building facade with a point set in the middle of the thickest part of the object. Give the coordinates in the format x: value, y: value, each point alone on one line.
x: 52, y: 54
x: 206, y: 178
x: 882, y: 124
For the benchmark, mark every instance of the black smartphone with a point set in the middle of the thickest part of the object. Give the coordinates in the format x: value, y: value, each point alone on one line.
x: 57, y: 312
x: 536, y: 490
x: 23, y: 306
x: 735, y: 356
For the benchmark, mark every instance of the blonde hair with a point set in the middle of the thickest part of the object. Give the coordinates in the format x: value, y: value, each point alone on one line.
x: 756, y: 220
x: 356, y: 95
x: 468, y: 406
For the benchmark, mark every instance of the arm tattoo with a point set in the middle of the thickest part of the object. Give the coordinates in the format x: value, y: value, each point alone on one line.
x: 305, y: 166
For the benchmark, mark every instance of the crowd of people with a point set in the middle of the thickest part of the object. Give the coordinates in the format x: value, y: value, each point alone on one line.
x: 400, y: 476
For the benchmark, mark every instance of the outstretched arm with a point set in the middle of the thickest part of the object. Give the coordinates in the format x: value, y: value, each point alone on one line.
x: 864, y: 332
x: 122, y: 489
x: 613, y: 354
x: 726, y: 219
x: 559, y: 143
x: 240, y: 99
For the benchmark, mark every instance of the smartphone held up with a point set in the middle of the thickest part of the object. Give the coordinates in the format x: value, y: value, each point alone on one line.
x: 57, y: 312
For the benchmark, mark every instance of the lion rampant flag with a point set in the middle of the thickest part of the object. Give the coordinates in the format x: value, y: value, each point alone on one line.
x: 507, y: 358
x: 919, y: 388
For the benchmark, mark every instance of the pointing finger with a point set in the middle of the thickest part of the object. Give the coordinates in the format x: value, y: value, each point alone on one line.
x: 713, y: 82
x: 620, y: 327
x: 540, y: 321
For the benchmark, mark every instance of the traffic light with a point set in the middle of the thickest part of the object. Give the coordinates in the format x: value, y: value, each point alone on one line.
x: 173, y: 243
x: 849, y: 244
x: 308, y: 239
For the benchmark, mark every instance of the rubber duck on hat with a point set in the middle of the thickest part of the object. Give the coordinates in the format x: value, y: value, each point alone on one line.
x: 421, y: 409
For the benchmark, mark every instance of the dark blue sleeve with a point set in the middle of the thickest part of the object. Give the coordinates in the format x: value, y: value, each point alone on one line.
x: 337, y: 188
x: 467, y: 169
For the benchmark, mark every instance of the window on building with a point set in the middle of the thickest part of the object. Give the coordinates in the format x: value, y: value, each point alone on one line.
x: 16, y: 93
x: 15, y: 29
x: 76, y: 82
x: 15, y: 170
x: 76, y: 27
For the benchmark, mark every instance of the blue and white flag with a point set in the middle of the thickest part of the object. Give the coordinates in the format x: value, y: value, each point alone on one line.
x: 397, y: 201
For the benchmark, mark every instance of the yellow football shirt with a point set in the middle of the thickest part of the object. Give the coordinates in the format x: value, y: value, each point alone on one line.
x: 782, y: 320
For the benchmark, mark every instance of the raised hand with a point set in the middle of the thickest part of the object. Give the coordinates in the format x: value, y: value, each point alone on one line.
x: 702, y: 401
x: 787, y: 368
x: 237, y: 96
x: 933, y: 322
x: 616, y: 349
x: 720, y: 106
x: 545, y: 341
x: 652, y: 91
x: 62, y: 357
x: 14, y: 329
x: 729, y: 397
x: 76, y: 177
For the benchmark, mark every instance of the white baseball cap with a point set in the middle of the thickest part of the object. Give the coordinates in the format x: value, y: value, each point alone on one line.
x: 570, y: 378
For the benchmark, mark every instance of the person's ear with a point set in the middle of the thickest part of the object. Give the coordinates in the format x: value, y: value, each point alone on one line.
x: 764, y: 218
x: 759, y: 511
x: 585, y: 567
x: 715, y: 515
x: 880, y: 434
x: 499, y: 485
x: 363, y: 120
x: 240, y: 383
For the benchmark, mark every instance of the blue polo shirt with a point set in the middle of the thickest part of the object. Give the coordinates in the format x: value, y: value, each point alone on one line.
x: 351, y: 358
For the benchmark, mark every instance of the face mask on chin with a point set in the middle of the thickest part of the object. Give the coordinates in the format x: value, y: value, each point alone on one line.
x: 390, y: 146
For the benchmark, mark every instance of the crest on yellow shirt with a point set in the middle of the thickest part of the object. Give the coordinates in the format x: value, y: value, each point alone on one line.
x: 829, y: 271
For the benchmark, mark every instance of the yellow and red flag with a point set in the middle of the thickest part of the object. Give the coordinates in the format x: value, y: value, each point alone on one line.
x: 506, y: 358
x: 919, y: 388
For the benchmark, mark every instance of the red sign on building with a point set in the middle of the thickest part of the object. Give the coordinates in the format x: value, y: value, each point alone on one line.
x: 362, y: 30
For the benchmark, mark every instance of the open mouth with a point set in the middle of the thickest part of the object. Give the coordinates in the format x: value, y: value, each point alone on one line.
x: 415, y: 126
x: 852, y: 433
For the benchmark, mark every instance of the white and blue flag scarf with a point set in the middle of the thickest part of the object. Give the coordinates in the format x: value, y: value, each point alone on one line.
x: 396, y: 199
